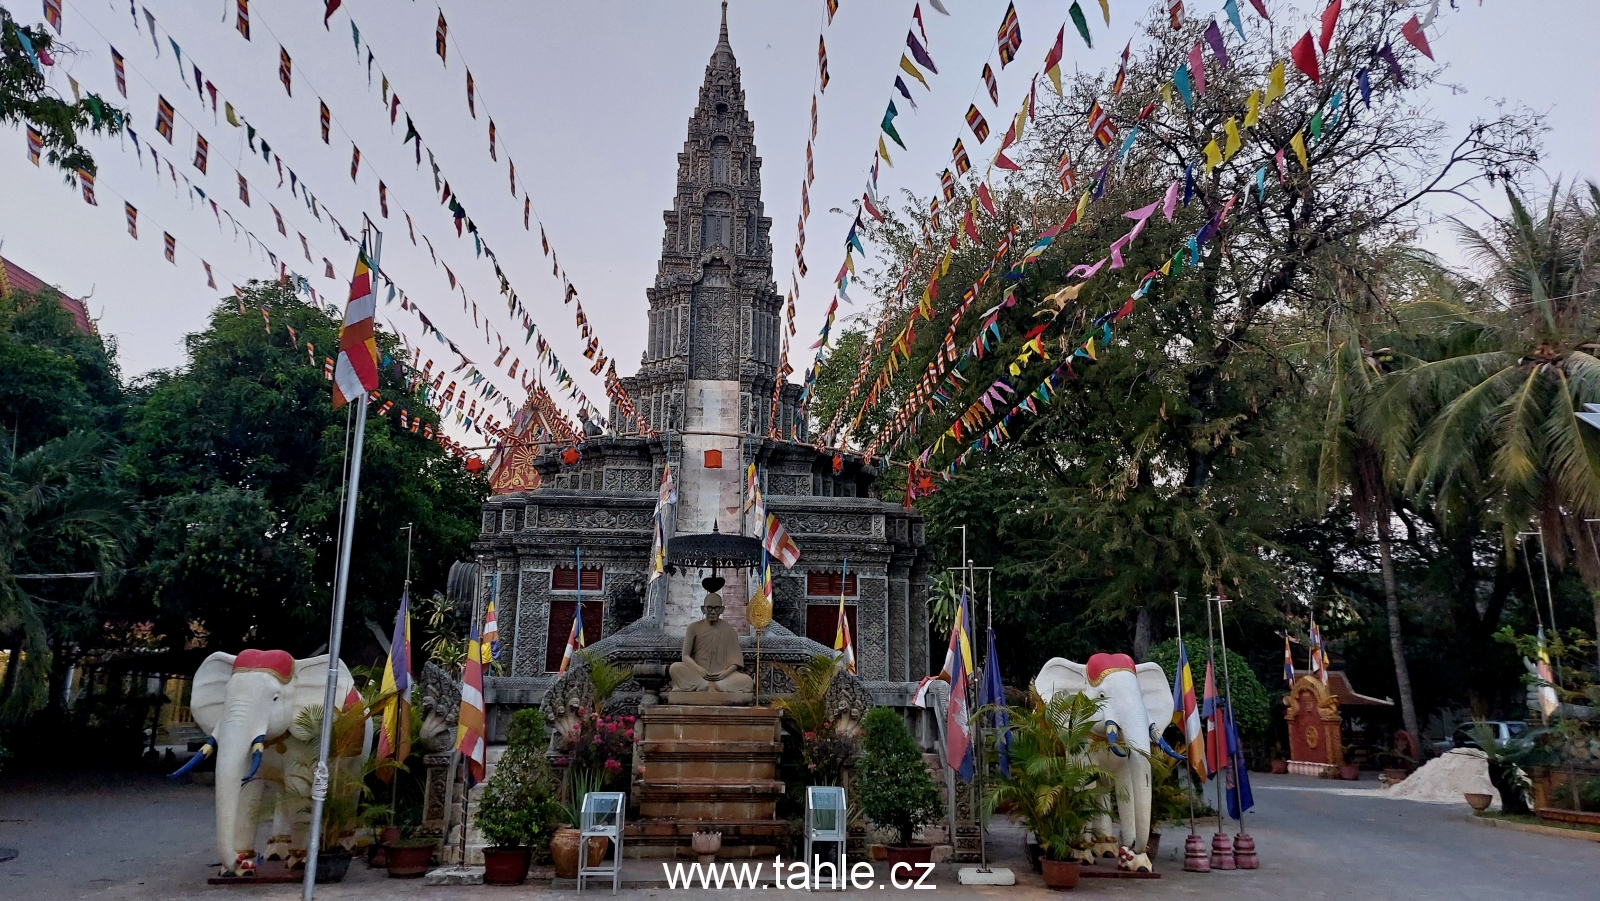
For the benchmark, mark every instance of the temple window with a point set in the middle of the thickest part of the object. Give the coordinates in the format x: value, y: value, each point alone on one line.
x: 565, y: 578
x: 719, y: 161
x: 826, y: 584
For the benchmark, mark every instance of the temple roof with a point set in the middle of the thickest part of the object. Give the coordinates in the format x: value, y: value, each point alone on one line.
x: 16, y: 278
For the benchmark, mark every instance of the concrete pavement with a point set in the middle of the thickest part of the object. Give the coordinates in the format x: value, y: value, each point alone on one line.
x: 142, y: 839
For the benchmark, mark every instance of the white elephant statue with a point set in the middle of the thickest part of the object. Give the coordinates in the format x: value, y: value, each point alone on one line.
x: 1136, y: 705
x: 247, y: 704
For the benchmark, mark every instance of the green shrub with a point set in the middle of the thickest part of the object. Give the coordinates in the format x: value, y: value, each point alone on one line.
x: 896, y: 790
x: 519, y: 805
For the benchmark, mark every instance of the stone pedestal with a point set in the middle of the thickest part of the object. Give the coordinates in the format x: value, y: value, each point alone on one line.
x: 706, y: 768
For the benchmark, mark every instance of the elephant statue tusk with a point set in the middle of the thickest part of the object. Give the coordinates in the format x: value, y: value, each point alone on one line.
x: 1114, y: 738
x: 1155, y: 735
x: 206, y: 750
x: 256, y: 749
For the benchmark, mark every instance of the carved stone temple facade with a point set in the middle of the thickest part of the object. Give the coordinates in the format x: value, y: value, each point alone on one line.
x: 704, y: 398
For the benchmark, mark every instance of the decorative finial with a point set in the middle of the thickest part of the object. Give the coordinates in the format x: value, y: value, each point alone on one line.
x: 723, y: 38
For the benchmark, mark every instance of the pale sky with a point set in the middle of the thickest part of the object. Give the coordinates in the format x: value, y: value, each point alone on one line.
x: 591, y: 100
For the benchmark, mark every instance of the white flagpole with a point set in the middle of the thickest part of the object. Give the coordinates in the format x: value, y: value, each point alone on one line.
x: 319, y: 780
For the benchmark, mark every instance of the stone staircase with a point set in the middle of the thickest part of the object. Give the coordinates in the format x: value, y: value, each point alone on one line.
x: 450, y: 854
x: 706, y: 768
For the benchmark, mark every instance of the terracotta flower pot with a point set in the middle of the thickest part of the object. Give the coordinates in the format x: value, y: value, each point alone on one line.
x: 910, y: 854
x: 1478, y: 800
x: 1280, y: 767
x: 1060, y: 875
x: 1349, y: 772
x: 408, y: 860
x: 564, y: 851
x: 506, y: 866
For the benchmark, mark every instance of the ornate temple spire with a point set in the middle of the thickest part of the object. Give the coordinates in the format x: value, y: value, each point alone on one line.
x: 714, y: 308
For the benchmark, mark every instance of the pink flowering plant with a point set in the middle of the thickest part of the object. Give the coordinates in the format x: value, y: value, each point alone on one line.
x: 600, y: 746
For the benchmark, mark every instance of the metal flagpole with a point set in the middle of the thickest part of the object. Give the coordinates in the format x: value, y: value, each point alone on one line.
x: 1227, y: 710
x: 1177, y: 616
x: 319, y: 779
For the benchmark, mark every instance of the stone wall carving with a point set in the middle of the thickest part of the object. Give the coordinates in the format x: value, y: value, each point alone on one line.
x: 788, y: 484
x: 629, y: 480
x: 598, y: 518
x: 825, y: 524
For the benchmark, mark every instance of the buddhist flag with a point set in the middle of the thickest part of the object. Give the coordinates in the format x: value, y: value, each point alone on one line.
x: 1186, y: 714
x: 395, y: 738
x: 841, y: 635
x: 491, y: 629
x: 991, y: 84
x: 959, y: 155
x: 439, y: 32
x: 822, y: 64
x: 119, y: 68
x: 243, y: 20
x: 1288, y: 661
x: 35, y: 144
x: 575, y: 642
x: 470, y: 736
x: 980, y: 128
x: 86, y: 182
x: 356, y: 371
x: 164, y: 113
x: 777, y: 542
x: 1009, y: 37
x: 284, y: 68
x: 133, y: 219
x: 52, y: 14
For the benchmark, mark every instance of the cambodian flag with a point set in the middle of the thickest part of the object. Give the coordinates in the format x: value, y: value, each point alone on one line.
x: 1216, y: 741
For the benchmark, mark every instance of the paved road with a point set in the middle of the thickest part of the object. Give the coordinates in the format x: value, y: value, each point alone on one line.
x: 142, y: 839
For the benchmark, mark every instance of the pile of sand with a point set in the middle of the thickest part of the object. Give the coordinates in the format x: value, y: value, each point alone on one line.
x: 1444, y: 780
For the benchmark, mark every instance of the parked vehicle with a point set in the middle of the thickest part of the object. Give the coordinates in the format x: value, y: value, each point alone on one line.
x: 1506, y: 733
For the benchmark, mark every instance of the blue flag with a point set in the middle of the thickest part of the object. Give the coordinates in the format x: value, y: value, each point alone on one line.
x: 993, y: 693
x: 1238, y: 784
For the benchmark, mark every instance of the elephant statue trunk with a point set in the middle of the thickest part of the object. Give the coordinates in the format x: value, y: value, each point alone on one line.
x: 1155, y: 736
x: 1114, y: 740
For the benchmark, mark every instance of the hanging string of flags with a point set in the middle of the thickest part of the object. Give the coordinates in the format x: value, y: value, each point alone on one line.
x: 1324, y: 119
x: 601, y: 362
x: 819, y: 85
x: 167, y: 118
x: 1008, y: 41
x: 918, y: 56
x: 464, y: 224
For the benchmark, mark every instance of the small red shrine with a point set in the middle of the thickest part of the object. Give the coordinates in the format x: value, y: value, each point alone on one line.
x: 1316, y: 744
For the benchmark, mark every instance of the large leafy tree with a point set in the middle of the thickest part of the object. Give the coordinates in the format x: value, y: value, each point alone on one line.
x: 26, y: 99
x: 240, y: 458
x: 1162, y: 467
x: 57, y: 379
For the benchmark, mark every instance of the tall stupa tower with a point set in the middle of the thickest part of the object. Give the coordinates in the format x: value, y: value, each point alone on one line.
x: 715, y: 312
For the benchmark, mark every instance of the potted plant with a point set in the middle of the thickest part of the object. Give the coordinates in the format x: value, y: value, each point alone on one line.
x: 518, y: 810
x: 1053, y: 789
x: 897, y: 792
x: 598, y: 754
x: 347, y: 769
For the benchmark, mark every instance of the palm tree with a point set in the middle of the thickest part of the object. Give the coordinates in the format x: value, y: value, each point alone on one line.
x: 1502, y: 408
x: 56, y: 514
x: 1349, y: 459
